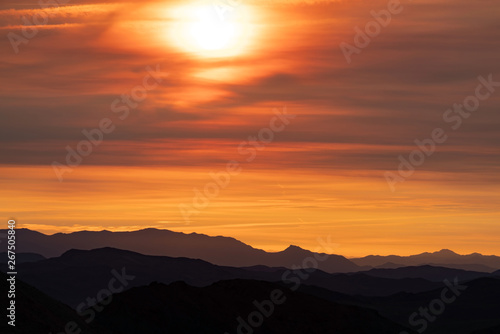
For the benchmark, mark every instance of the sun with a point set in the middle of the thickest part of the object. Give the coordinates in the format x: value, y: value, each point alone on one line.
x: 210, y: 30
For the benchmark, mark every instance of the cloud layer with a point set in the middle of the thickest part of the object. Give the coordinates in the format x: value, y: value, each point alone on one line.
x: 352, y: 120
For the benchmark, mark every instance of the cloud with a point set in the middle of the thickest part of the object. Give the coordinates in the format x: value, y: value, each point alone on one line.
x: 353, y: 120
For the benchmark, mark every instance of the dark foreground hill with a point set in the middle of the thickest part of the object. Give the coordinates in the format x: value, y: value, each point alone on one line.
x: 492, y: 330
x: 231, y: 307
x: 22, y: 257
x: 474, y: 308
x: 178, y: 308
x: 80, y: 276
x: 38, y: 313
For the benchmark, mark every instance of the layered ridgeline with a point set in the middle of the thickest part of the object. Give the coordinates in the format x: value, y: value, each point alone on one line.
x: 37, y: 312
x: 226, y: 251
x: 235, y: 306
x: 180, y: 295
x: 443, y: 258
x: 81, y: 273
x: 217, y: 250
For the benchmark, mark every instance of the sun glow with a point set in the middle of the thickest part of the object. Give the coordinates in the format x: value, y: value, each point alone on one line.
x: 210, y: 31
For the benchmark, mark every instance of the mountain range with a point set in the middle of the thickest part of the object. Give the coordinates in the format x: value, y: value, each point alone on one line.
x: 181, y: 295
x: 78, y: 274
x: 226, y: 251
x: 178, y: 308
x: 160, y: 281
x: 443, y: 258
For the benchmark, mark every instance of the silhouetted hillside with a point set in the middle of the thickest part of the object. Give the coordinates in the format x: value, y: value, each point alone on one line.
x: 224, y: 292
x: 491, y: 330
x: 443, y: 258
x: 37, y: 313
x: 22, y: 257
x: 217, y: 250
x: 181, y: 309
x: 430, y: 273
x: 78, y: 274
x: 468, y: 267
x: 390, y: 265
x: 475, y: 308
x: 228, y: 251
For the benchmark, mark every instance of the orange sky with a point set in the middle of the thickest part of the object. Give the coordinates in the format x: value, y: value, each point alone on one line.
x: 323, y: 174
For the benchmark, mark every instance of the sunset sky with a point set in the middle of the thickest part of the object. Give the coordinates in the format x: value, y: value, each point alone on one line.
x: 222, y: 77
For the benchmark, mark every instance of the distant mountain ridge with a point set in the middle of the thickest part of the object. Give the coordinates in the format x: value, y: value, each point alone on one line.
x: 443, y: 258
x: 224, y: 251
x: 430, y: 273
x: 227, y: 251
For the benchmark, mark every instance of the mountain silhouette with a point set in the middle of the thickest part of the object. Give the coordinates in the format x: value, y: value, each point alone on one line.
x: 226, y: 251
x: 443, y: 258
x: 78, y: 274
x: 182, y: 295
x: 182, y: 309
x: 430, y: 273
x: 491, y: 330
x: 389, y: 265
x: 37, y: 313
x: 474, y: 311
x: 218, y: 250
x: 22, y: 257
x: 476, y: 308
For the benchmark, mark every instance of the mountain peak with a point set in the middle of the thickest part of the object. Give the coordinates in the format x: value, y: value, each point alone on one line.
x: 293, y: 248
x: 445, y: 251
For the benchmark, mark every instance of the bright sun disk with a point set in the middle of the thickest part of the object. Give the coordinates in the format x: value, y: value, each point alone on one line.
x: 203, y: 30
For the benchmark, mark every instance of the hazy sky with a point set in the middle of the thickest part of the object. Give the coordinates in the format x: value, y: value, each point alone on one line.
x: 212, y: 85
